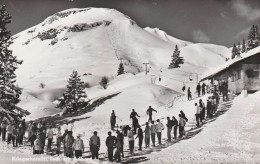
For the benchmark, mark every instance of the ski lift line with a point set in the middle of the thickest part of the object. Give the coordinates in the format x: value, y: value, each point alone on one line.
x: 186, y: 71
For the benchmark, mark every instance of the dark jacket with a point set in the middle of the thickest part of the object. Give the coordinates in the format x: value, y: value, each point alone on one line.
x: 110, y: 141
x: 169, y: 124
x: 140, y: 133
x: 133, y: 115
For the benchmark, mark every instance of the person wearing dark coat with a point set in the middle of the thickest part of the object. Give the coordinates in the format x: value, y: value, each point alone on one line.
x: 189, y: 94
x: 175, y: 126
x: 140, y: 136
x: 113, y: 120
x: 134, y: 116
x: 110, y: 143
x: 135, y: 124
x: 203, y: 88
x: 183, y: 116
x: 198, y: 88
x: 169, y: 128
x: 149, y: 112
x: 202, y: 106
x: 63, y: 140
x: 119, y: 146
x: 147, y: 133
x: 209, y: 108
x: 120, y: 138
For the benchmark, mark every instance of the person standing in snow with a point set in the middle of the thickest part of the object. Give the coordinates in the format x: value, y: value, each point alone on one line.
x: 110, y: 143
x: 3, y: 128
x: 120, y: 138
x: 147, y: 135
x: 63, y: 140
x: 140, y: 136
x: 149, y: 112
x: 153, y: 132
x: 113, y: 120
x: 203, y: 88
x: 159, y: 129
x: 33, y: 134
x: 69, y: 140
x: 20, y: 134
x: 9, y: 130
x: 15, y: 136
x: 59, y: 140
x: 198, y: 88
x: 50, y: 138
x: 181, y: 126
x: 214, y: 104
x: 169, y: 128
x: 23, y: 130
x: 131, y: 140
x: 30, y: 130
x: 37, y: 146
x: 189, y: 94
x: 78, y: 146
x: 175, y: 126
x: 197, y: 114
x: 94, y: 144
x: 202, y: 113
x: 118, y: 146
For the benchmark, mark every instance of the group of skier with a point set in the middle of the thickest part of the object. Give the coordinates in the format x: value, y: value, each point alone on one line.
x: 207, y: 110
x: 11, y: 131
x: 151, y: 130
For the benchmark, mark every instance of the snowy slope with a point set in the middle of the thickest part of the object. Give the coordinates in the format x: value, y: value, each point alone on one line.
x: 94, y: 41
x: 164, y: 36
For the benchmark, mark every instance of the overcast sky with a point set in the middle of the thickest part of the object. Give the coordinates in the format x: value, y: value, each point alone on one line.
x: 215, y: 21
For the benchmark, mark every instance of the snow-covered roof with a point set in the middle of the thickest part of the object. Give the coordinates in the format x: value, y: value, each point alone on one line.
x: 229, y: 63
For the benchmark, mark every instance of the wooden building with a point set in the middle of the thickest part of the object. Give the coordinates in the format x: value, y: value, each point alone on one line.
x: 241, y: 73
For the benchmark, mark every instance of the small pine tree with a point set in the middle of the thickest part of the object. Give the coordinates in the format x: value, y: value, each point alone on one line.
x: 9, y: 92
x: 235, y: 52
x: 104, y: 82
x: 243, y: 46
x: 73, y: 97
x: 177, y: 60
x: 120, y: 70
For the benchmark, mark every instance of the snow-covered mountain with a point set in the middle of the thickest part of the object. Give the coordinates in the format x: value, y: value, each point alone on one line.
x: 94, y: 41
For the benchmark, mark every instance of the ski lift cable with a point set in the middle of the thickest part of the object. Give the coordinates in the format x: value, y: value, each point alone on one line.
x: 177, y: 79
x: 184, y: 71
